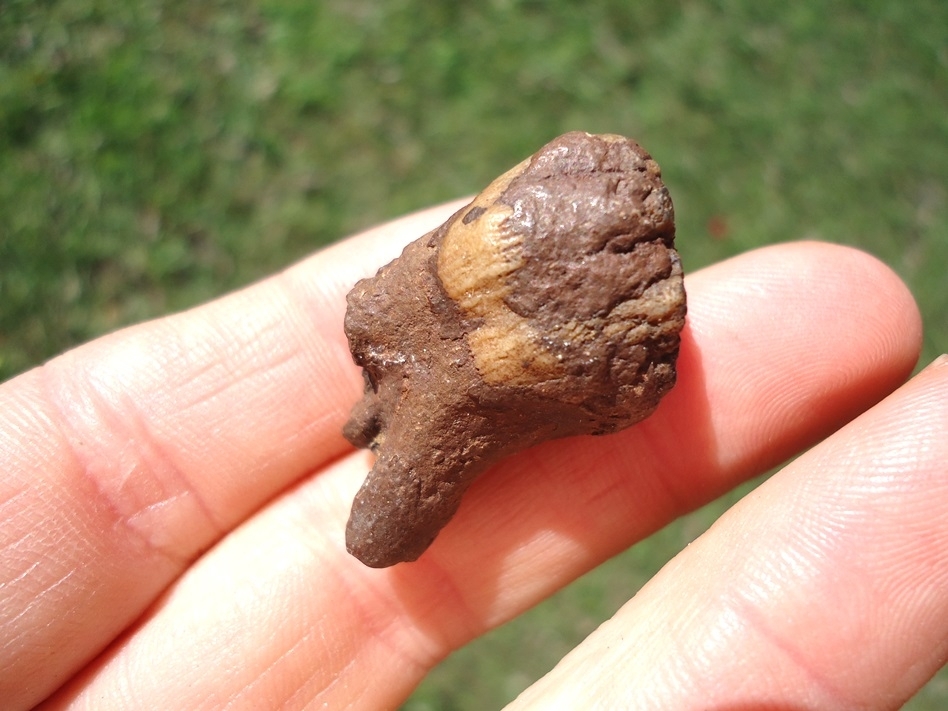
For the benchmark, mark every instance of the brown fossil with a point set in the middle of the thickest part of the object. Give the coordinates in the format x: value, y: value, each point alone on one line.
x: 549, y: 306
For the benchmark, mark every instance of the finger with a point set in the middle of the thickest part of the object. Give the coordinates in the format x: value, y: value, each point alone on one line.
x: 826, y: 588
x: 125, y: 458
x: 302, y: 622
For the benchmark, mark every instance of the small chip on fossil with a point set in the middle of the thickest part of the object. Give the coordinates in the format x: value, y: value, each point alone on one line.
x: 549, y: 306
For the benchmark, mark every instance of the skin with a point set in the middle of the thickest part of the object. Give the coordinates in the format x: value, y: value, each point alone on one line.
x: 173, y: 499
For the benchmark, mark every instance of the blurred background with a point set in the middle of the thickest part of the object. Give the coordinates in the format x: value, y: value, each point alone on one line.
x: 156, y: 154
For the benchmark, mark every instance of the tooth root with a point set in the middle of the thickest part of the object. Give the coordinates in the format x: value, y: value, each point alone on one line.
x: 550, y: 306
x: 408, y: 497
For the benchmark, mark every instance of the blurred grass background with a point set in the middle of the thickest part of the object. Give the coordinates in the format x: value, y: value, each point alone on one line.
x: 156, y: 154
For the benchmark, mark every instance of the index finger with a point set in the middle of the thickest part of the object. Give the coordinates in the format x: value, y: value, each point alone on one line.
x: 783, y: 345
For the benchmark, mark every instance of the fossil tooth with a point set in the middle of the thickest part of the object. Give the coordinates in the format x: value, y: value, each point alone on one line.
x: 549, y: 306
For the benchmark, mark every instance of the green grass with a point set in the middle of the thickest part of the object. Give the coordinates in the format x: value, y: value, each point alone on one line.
x: 156, y: 154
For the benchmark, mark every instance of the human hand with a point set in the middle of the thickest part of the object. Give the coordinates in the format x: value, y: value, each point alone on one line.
x: 173, y: 499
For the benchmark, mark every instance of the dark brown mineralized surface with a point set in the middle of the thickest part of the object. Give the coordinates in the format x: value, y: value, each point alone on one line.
x: 550, y: 306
